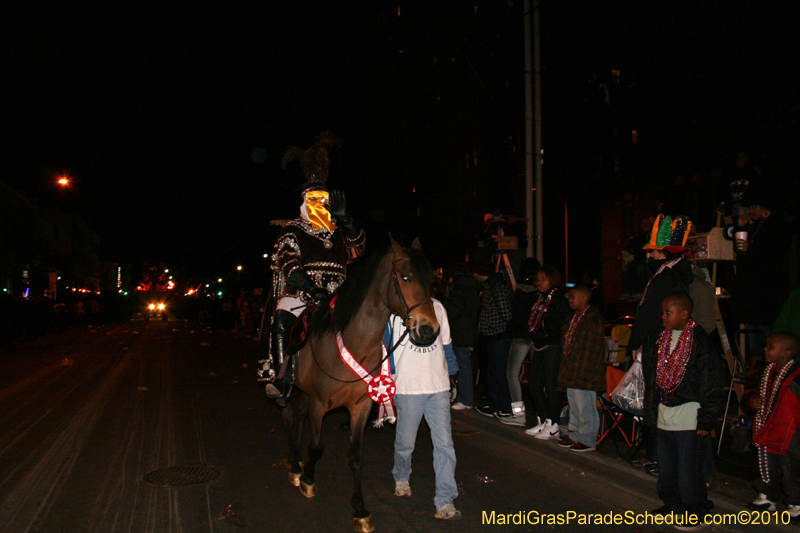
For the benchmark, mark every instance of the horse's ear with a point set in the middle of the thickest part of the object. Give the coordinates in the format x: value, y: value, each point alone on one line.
x: 398, y: 250
x: 416, y: 245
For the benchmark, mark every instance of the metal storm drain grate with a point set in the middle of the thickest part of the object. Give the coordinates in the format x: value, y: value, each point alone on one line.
x: 181, y: 476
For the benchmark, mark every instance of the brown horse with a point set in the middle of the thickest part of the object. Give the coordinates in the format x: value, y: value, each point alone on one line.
x: 393, y: 280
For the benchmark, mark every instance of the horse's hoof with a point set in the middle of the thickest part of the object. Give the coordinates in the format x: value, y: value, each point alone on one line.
x: 309, y: 491
x: 294, y: 479
x: 363, y: 524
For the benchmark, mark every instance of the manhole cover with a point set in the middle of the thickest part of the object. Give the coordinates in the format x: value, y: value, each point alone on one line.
x: 180, y: 476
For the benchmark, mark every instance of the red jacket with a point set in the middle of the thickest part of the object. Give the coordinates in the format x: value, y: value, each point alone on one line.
x: 781, y: 427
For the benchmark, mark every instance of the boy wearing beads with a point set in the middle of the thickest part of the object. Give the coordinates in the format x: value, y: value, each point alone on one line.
x: 691, y: 392
x: 583, y: 369
x: 777, y: 426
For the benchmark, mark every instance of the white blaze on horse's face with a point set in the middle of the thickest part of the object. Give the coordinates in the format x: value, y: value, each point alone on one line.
x: 414, y: 300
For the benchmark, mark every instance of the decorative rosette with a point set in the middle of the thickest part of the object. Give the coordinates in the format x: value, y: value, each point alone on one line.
x: 381, y: 388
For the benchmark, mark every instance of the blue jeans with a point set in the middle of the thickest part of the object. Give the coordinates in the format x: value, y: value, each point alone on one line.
x: 681, y: 465
x: 584, y: 420
x: 520, y: 348
x: 466, y: 383
x: 436, y: 409
x: 496, y: 381
x: 543, y: 383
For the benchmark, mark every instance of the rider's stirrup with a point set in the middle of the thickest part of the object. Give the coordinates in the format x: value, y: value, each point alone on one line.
x: 278, y: 389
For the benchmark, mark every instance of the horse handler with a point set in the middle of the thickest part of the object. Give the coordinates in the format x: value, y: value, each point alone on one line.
x: 309, y: 262
x: 423, y: 389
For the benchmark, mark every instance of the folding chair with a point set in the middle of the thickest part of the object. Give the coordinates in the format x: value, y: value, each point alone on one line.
x: 615, y: 420
x: 621, y: 336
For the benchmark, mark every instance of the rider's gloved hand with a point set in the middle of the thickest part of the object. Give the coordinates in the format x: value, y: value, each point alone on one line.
x: 318, y: 294
x: 301, y: 281
x: 337, y: 207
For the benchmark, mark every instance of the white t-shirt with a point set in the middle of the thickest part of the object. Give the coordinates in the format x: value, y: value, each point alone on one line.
x: 421, y: 370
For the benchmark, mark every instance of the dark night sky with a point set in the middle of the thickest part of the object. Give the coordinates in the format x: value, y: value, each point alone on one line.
x: 154, y: 109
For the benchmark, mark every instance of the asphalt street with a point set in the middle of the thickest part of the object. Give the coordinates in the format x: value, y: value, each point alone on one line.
x: 91, y: 417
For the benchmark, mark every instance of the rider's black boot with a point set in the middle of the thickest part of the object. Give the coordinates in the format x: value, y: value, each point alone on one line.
x: 279, y: 389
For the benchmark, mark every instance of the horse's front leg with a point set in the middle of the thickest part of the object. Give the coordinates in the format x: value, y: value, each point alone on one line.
x: 294, y: 417
x: 358, y: 419
x: 307, y: 485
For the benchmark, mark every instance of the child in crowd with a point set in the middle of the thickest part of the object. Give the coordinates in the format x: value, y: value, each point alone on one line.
x: 691, y: 392
x: 544, y: 323
x: 777, y: 426
x: 583, y: 369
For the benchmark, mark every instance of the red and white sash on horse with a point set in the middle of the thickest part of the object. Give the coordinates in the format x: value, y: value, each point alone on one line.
x: 380, y: 388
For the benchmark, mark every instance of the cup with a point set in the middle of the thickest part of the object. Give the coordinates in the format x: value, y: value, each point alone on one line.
x: 740, y: 237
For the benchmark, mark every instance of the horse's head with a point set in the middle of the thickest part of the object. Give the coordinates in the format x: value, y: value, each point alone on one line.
x: 410, y: 293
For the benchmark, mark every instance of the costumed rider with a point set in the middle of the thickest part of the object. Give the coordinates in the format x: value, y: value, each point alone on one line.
x: 308, y: 262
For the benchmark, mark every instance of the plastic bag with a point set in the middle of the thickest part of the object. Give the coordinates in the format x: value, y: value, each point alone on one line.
x: 629, y: 394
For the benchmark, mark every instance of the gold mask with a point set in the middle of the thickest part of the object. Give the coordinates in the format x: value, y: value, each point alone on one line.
x: 318, y: 215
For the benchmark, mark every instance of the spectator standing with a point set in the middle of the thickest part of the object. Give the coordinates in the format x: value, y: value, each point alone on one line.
x: 423, y: 390
x: 463, y: 307
x: 743, y: 175
x: 690, y: 388
x: 762, y: 268
x: 777, y: 436
x: 583, y: 369
x: 669, y: 272
x: 547, y: 315
x: 493, y: 326
x: 522, y: 302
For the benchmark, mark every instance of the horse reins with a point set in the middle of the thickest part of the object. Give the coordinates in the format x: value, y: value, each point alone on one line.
x: 388, y: 353
x: 406, y: 310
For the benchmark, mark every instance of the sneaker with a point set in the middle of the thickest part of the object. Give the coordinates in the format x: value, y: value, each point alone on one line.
x: 641, y: 463
x: 502, y: 413
x: 762, y: 503
x: 566, y: 442
x: 486, y: 410
x: 535, y: 429
x: 458, y: 406
x: 652, y: 470
x: 549, y: 431
x: 794, y: 512
x: 514, y: 420
x: 448, y: 512
x: 402, y: 488
x: 580, y: 447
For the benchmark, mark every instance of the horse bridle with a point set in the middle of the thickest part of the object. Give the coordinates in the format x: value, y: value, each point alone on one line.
x: 406, y: 311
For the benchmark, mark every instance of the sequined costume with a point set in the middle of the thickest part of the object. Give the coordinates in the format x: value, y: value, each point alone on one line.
x: 321, y: 254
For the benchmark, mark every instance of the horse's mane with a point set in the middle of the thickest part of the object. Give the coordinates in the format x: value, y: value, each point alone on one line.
x: 353, y: 292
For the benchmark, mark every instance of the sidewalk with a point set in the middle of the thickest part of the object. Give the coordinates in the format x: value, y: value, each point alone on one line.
x: 604, y: 468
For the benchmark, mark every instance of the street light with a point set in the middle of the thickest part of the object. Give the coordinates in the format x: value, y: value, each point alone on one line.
x: 63, y: 181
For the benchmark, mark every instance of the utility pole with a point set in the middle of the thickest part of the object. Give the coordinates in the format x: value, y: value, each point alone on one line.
x: 526, y: 15
x: 533, y: 139
x: 537, y: 71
